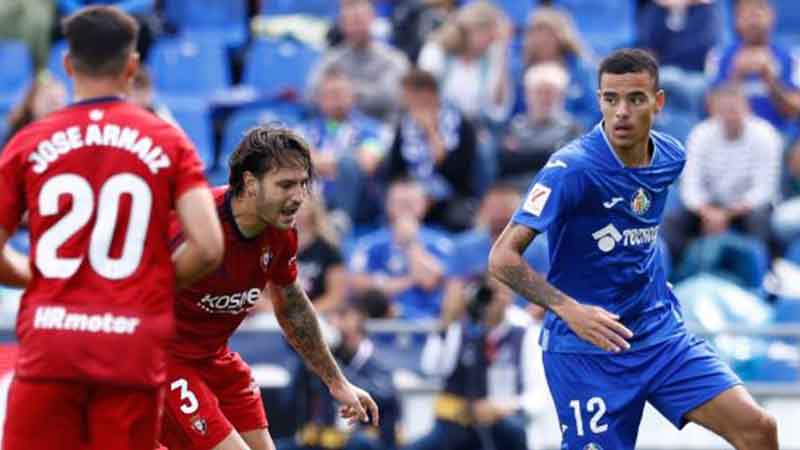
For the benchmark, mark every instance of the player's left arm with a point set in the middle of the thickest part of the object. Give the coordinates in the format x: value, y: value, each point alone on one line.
x: 14, y: 267
x: 300, y: 325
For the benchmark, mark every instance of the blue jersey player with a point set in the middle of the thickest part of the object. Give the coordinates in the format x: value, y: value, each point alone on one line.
x: 614, y: 337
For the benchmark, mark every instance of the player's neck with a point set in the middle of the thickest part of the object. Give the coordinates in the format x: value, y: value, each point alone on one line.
x: 88, y: 88
x: 245, y: 215
x: 638, y: 155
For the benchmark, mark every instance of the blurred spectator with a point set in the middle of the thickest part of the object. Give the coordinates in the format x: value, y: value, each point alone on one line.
x: 769, y: 73
x: 551, y: 36
x: 786, y: 218
x: 494, y: 379
x: 361, y: 364
x: 414, y: 20
x: 468, y: 57
x: 322, y: 272
x: 680, y: 33
x: 436, y: 145
x: 471, y: 249
x: 30, y: 21
x: 374, y: 67
x: 533, y: 136
x: 45, y: 95
x: 143, y: 95
x: 405, y: 261
x: 732, y: 173
x: 347, y: 146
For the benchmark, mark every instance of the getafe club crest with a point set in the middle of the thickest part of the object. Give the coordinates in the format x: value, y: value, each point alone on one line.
x: 640, y: 203
x: 199, y: 424
x: 266, y: 257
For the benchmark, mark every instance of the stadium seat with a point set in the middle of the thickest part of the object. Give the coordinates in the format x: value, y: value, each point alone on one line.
x: 320, y: 8
x: 55, y: 61
x: 603, y: 28
x: 244, y: 119
x: 787, y: 24
x: 676, y: 123
x: 195, y: 119
x: 279, y: 66
x: 228, y: 18
x: 182, y: 66
x: 741, y: 259
x: 16, y: 74
x: 793, y: 253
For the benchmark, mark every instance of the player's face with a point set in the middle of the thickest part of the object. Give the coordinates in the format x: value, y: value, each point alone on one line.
x: 629, y: 103
x: 280, y: 194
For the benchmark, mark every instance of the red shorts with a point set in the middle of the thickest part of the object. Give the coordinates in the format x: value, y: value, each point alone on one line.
x: 43, y: 415
x: 207, y: 400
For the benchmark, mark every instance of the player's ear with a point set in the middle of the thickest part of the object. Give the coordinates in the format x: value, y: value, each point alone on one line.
x: 68, y: 68
x: 250, y: 184
x: 661, y: 98
x: 132, y: 66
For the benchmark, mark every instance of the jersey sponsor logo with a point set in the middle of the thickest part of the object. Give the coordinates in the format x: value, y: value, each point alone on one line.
x: 555, y: 163
x: 109, y: 135
x: 610, y: 204
x: 230, y: 303
x: 640, y: 203
x: 537, y: 199
x: 609, y: 236
x: 58, y: 318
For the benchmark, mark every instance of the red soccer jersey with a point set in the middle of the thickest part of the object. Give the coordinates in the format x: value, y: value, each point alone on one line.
x: 99, y: 179
x: 208, y: 312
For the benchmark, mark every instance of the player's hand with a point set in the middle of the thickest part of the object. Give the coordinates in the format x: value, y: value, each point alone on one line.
x: 355, y: 404
x: 597, y: 326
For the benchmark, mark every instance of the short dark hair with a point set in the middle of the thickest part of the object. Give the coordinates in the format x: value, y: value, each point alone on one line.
x: 100, y: 38
x: 629, y: 60
x: 418, y: 79
x: 268, y: 147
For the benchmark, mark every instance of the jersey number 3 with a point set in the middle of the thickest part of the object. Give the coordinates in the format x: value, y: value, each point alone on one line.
x: 53, y: 266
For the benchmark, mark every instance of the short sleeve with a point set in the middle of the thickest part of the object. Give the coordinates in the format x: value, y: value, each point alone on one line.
x: 283, y: 270
x: 189, y: 168
x: 12, y: 186
x: 552, y: 194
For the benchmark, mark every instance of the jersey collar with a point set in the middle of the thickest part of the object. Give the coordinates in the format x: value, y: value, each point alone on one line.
x: 93, y: 100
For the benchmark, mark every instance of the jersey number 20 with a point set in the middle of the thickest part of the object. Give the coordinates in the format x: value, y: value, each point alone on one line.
x: 53, y: 266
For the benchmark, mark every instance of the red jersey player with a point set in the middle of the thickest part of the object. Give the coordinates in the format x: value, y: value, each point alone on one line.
x: 211, y: 401
x: 98, y: 180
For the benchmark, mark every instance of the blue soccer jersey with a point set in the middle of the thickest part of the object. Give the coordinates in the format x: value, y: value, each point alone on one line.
x: 602, y: 221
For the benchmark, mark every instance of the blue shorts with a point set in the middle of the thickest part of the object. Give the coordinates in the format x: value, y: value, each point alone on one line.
x: 600, y: 398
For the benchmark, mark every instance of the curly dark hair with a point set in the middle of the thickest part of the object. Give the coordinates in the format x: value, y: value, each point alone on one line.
x: 268, y: 147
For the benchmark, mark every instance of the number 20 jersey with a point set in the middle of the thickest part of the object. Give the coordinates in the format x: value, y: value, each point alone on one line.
x: 98, y: 180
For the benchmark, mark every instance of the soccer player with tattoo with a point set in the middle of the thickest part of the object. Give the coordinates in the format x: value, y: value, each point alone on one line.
x: 211, y: 401
x: 614, y: 336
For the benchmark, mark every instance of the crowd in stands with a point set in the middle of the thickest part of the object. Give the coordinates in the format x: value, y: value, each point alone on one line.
x: 427, y: 119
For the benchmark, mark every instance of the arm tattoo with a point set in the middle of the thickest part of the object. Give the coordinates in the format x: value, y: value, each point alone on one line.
x: 299, y: 322
x: 516, y: 273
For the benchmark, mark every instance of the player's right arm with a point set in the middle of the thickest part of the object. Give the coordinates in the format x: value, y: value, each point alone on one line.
x: 203, y: 247
x: 591, y: 323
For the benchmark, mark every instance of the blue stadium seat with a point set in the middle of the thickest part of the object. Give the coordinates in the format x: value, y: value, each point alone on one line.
x: 195, y: 119
x: 676, y: 123
x: 321, y: 8
x: 55, y: 61
x: 244, y: 119
x: 787, y: 24
x: 741, y: 259
x: 793, y: 253
x: 182, y: 66
x: 16, y: 74
x: 603, y: 28
x: 226, y: 17
x: 277, y: 66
